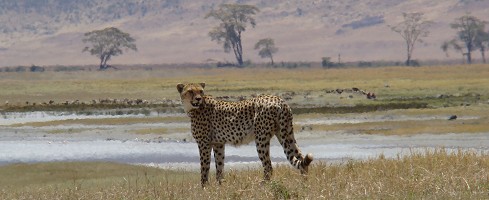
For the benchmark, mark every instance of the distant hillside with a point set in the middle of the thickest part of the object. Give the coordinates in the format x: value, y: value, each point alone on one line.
x: 49, y: 32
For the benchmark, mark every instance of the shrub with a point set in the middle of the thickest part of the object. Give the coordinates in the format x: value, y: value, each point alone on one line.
x: 35, y: 68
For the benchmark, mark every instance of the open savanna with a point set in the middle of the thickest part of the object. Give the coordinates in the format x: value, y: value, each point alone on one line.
x: 435, y: 174
x: 432, y: 93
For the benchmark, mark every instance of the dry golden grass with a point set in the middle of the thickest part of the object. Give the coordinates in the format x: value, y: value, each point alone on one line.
x: 437, y: 174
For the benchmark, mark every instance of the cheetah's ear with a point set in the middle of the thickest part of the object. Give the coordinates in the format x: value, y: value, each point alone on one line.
x: 180, y: 87
x: 202, y: 84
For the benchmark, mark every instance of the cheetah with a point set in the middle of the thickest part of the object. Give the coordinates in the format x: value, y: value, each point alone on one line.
x: 215, y: 123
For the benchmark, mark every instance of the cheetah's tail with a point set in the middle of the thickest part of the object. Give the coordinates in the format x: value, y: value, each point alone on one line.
x: 286, y: 138
x: 303, y: 163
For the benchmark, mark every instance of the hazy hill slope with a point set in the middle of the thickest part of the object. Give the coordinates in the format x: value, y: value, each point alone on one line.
x: 49, y: 32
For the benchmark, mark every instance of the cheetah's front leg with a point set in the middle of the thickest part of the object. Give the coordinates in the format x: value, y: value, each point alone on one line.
x: 219, y: 158
x: 205, y: 161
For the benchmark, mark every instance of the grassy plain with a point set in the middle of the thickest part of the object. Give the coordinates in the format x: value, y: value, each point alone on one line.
x: 389, y: 83
x: 436, y: 174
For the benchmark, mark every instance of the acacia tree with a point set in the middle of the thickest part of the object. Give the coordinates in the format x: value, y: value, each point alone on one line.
x: 267, y: 48
x: 412, y: 29
x: 469, y: 32
x: 452, y: 44
x: 107, y: 43
x: 234, y: 18
x: 481, y: 42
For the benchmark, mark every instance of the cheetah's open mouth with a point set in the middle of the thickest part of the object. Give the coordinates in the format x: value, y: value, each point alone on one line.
x: 196, y: 104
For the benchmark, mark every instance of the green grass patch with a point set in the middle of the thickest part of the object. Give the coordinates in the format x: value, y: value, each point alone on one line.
x: 106, y: 121
x: 360, y: 108
x: 442, y: 126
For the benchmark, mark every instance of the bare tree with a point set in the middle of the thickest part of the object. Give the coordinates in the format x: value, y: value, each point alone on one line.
x: 107, y: 43
x: 267, y: 48
x: 411, y: 29
x: 234, y: 18
x: 469, y: 32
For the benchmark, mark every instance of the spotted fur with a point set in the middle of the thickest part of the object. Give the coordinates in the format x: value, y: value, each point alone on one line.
x: 215, y: 123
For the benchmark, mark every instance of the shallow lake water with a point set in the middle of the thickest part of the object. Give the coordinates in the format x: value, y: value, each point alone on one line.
x: 30, y: 144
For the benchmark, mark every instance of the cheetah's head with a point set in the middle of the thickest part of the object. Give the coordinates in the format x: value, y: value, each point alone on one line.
x: 191, y: 95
